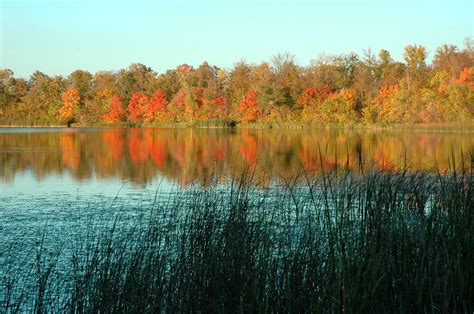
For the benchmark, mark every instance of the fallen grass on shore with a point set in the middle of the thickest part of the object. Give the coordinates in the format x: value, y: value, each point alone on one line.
x: 339, y: 241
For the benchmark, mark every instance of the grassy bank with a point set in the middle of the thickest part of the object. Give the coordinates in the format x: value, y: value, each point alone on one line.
x: 31, y: 124
x: 365, y: 242
x: 224, y: 124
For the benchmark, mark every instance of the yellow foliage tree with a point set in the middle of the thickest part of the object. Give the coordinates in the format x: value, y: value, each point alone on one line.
x: 70, y: 109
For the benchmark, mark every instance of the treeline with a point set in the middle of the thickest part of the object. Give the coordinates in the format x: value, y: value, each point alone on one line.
x: 340, y: 89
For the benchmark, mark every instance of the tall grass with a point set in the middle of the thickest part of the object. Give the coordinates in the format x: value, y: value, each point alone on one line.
x: 356, y: 242
x: 29, y: 123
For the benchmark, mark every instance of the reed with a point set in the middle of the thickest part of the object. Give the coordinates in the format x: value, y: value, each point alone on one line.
x: 332, y: 242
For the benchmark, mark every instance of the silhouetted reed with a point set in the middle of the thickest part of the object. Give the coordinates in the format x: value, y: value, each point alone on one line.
x: 332, y: 242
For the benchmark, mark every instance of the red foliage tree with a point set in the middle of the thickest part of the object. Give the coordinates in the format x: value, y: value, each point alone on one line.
x: 116, y: 112
x: 248, y: 106
x: 220, y: 101
x: 317, y: 94
x: 155, y: 110
x: 136, y: 106
x: 184, y: 69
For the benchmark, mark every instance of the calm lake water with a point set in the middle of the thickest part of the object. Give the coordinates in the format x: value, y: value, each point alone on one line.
x: 56, y: 183
x: 45, y: 171
x: 81, y: 162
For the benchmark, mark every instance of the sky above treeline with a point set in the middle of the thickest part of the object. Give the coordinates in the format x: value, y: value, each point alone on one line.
x: 60, y: 36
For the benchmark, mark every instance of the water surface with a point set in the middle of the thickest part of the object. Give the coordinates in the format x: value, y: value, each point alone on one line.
x: 42, y: 161
x: 56, y: 183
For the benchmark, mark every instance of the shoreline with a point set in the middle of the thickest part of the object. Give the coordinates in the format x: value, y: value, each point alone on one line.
x: 431, y: 127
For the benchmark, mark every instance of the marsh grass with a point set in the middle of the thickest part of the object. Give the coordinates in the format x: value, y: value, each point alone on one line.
x: 332, y: 242
x: 31, y: 124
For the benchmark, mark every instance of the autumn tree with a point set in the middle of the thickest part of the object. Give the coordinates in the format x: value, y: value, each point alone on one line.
x: 137, y: 78
x: 155, y: 109
x: 116, y: 111
x: 82, y: 81
x: 417, y: 70
x: 169, y: 83
x: 344, y: 88
x: 43, y: 98
x: 310, y: 100
x: 190, y: 107
x: 239, y: 82
x: 320, y: 72
x: 314, y: 95
x: 220, y: 107
x: 466, y: 77
x: 367, y: 78
x: 389, y: 71
x: 204, y: 90
x: 339, y: 108
x: 136, y: 107
x: 248, y: 107
x: 104, y: 86
x: 70, y: 109
x: 384, y: 108
x: 345, y: 66
x: 176, y: 106
x: 450, y: 59
x: 12, y: 90
x: 287, y: 80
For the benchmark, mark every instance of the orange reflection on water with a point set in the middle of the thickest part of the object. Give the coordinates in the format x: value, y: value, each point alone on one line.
x: 115, y: 142
x: 70, y: 149
x: 186, y: 155
x: 248, y: 148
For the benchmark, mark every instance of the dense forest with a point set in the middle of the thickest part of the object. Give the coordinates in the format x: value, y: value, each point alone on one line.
x: 341, y: 89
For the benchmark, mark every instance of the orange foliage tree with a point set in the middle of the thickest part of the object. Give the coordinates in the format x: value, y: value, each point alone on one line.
x: 220, y: 107
x: 339, y: 107
x: 155, y: 110
x: 467, y: 77
x: 136, y: 106
x: 70, y: 108
x: 338, y: 89
x: 248, y: 106
x: 116, y: 112
x: 382, y: 108
x: 177, y: 105
x: 314, y: 95
x: 311, y: 99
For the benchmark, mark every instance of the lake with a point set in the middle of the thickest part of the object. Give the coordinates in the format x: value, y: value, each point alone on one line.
x: 46, y: 170
x: 62, y: 189
x: 41, y: 161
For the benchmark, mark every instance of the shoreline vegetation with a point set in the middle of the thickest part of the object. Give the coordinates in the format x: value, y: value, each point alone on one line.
x: 220, y: 124
x: 334, y: 242
x: 340, y: 90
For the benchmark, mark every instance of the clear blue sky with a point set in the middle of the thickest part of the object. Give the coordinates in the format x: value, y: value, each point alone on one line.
x: 59, y: 36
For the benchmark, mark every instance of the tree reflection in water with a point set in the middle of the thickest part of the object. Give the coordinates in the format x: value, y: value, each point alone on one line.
x: 186, y: 155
